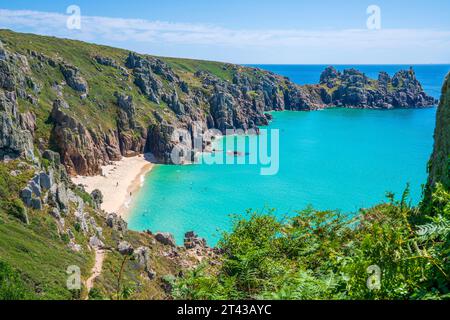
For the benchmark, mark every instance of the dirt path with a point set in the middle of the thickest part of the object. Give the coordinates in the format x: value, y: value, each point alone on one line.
x: 97, y: 269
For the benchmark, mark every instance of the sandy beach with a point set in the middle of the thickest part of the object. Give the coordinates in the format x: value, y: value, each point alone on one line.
x: 119, y: 182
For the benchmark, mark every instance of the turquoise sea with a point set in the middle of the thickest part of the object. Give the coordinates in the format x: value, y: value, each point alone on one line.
x: 334, y: 159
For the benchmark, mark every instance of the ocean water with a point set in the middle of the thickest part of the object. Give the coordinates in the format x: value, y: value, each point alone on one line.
x: 333, y: 159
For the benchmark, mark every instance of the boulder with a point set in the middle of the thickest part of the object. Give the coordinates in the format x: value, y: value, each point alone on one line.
x: 165, y: 238
x: 99, y: 232
x: 36, y: 204
x: 142, y: 257
x: 116, y: 222
x: 95, y: 242
x: 191, y: 241
x: 52, y: 156
x: 97, y: 197
x: 125, y: 248
x: 26, y: 195
x: 106, y: 61
x: 74, y: 247
x: 62, y: 196
x: 35, y: 187
x: 73, y: 78
x: 46, y: 180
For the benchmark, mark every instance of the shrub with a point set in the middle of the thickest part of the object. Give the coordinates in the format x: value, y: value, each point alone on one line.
x: 16, y: 208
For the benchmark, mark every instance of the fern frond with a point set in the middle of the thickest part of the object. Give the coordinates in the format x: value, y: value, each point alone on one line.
x: 433, y: 230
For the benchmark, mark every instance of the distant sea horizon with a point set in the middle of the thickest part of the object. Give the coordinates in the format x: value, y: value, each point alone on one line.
x: 343, y: 159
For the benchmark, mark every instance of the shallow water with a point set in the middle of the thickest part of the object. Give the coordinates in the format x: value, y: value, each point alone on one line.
x: 334, y: 159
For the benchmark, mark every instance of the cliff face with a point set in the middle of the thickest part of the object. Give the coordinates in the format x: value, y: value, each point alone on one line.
x: 16, y: 129
x: 94, y: 104
x: 439, y: 167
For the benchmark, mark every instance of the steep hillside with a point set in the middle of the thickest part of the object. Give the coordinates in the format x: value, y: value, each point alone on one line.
x: 93, y: 104
x: 440, y: 160
x: 48, y: 226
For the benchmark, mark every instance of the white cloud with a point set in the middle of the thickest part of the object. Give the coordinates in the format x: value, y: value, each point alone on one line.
x: 426, y: 44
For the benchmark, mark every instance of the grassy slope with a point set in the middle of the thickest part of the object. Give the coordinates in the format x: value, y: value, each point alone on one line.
x: 40, y: 256
x: 37, y: 252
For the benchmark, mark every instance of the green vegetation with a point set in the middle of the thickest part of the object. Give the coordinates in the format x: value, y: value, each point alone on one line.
x: 219, y: 69
x: 325, y: 255
x: 134, y: 282
x: 34, y: 257
x: 37, y: 251
x: 10, y: 186
x: 12, y: 286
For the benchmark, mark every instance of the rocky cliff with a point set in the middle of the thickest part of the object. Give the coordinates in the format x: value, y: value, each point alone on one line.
x: 353, y: 89
x: 439, y: 167
x: 95, y: 104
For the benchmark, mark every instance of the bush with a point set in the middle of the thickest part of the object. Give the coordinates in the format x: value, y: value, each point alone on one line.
x: 16, y: 208
x: 324, y: 255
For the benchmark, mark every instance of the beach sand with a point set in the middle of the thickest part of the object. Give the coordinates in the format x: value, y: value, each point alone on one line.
x: 119, y: 182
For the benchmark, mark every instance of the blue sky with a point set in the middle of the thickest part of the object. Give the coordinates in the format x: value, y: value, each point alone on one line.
x: 251, y: 31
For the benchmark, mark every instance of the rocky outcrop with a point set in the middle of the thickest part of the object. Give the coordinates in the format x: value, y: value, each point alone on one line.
x: 106, y: 61
x: 143, y: 259
x: 144, y: 77
x: 16, y: 129
x: 74, y: 78
x: 97, y: 198
x: 165, y: 238
x: 132, y: 138
x: 15, y: 136
x: 95, y: 242
x: 353, y: 89
x: 116, y: 222
x: 82, y: 150
x: 191, y: 241
x: 125, y: 248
